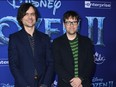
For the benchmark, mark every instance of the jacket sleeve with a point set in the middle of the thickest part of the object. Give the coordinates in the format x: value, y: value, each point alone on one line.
x: 49, y: 74
x: 62, y: 73
x: 89, y: 69
x: 13, y: 62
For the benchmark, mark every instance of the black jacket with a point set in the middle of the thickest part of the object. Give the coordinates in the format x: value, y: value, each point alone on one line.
x: 64, y: 65
x: 22, y: 62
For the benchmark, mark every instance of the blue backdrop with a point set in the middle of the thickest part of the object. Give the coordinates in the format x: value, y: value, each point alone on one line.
x: 97, y: 22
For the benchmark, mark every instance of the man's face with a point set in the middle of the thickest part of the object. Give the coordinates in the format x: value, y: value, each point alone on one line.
x: 29, y: 19
x: 71, y: 25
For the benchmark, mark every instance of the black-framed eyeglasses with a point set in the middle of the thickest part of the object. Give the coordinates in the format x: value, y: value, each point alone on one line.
x: 71, y: 23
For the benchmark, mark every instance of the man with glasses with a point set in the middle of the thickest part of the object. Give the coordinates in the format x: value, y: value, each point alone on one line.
x: 73, y: 55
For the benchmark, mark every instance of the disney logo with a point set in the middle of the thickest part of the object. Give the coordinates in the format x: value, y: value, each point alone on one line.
x: 55, y: 4
x: 96, y: 79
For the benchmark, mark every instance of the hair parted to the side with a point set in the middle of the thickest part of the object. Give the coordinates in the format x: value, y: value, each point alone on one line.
x: 72, y: 14
x: 22, y: 12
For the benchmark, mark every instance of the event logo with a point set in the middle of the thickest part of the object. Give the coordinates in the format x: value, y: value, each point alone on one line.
x: 6, y: 85
x: 3, y: 62
x: 99, y: 59
x: 3, y: 39
x: 48, y: 26
x: 49, y: 30
x: 99, y: 82
x: 98, y: 4
x: 50, y: 4
x: 100, y: 21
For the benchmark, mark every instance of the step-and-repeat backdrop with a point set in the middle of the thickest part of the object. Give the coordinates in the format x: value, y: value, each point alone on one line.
x: 98, y: 23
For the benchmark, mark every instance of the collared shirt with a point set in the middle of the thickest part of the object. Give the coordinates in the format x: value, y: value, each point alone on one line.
x: 32, y: 44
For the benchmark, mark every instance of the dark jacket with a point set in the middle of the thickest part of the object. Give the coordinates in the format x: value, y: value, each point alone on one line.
x: 22, y: 63
x: 64, y: 64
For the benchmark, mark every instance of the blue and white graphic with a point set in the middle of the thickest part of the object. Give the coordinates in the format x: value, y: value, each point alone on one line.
x: 97, y: 22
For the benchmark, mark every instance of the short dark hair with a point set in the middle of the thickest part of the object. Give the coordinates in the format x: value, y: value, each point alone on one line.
x: 22, y: 12
x: 72, y: 14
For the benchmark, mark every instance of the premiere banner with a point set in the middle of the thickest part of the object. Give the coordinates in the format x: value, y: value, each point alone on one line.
x: 97, y: 22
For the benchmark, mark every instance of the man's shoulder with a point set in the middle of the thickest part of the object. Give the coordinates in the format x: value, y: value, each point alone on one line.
x: 84, y: 37
x: 15, y: 33
x: 41, y: 34
x: 60, y: 38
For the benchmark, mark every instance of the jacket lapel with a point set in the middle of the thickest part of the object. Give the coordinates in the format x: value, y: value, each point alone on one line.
x: 26, y: 43
x: 67, y: 46
x: 38, y: 42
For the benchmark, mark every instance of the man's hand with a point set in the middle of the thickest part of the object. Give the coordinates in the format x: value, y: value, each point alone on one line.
x: 76, y: 82
x: 81, y: 85
x: 43, y: 85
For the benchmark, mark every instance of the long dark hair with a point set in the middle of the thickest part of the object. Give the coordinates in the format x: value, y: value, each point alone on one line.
x: 22, y: 12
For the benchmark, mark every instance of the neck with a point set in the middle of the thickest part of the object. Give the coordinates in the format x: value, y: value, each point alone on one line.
x: 29, y: 30
x: 71, y: 36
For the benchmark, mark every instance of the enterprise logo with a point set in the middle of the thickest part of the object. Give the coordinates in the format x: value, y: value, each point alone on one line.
x: 3, y: 62
x: 98, y: 4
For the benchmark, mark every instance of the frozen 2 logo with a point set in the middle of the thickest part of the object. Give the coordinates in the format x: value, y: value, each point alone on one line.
x: 99, y: 82
x: 47, y: 21
x: 100, y: 21
x: 50, y: 4
x: 3, y: 38
x: 50, y: 30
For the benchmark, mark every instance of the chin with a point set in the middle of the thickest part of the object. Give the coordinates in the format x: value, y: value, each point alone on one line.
x: 72, y: 33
